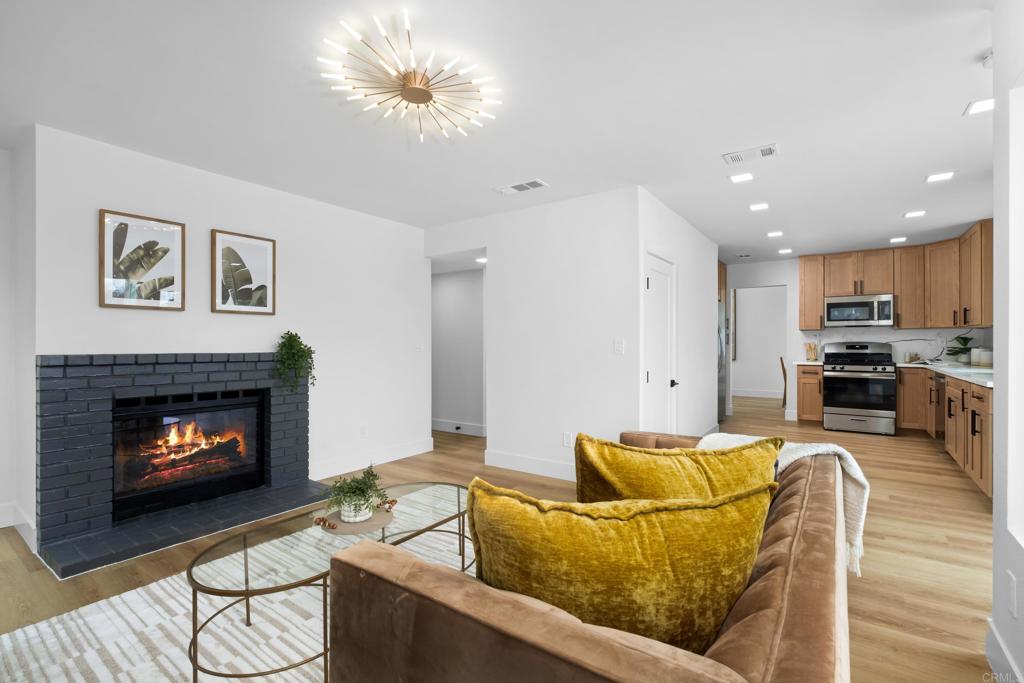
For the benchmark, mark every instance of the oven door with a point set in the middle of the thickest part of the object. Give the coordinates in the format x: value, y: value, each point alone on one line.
x: 860, y: 393
x: 850, y: 311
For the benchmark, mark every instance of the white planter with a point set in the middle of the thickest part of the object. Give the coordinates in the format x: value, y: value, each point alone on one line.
x: 354, y: 513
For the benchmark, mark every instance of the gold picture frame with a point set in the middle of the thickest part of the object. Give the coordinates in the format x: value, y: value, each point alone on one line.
x: 243, y: 273
x: 145, y: 268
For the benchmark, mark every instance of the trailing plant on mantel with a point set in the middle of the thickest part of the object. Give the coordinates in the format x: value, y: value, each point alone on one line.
x: 294, y: 360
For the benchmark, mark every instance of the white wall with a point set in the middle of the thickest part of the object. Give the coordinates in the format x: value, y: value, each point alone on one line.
x: 457, y: 351
x: 356, y: 287
x: 7, y: 302
x: 760, y: 324
x: 670, y: 236
x: 1005, y: 642
x: 562, y: 283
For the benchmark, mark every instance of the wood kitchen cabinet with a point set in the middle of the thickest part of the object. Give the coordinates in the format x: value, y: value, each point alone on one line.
x: 976, y: 275
x: 912, y: 398
x: 812, y: 297
x: 942, y: 283
x: 978, y: 438
x: 956, y: 420
x: 722, y: 286
x: 908, y: 286
x: 810, y: 400
x: 859, y: 272
x: 936, y: 405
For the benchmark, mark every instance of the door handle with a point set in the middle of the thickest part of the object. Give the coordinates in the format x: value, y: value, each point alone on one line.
x: 949, y: 408
x: 954, y: 318
x: 673, y: 383
x: 963, y: 400
x: 931, y: 396
x: 974, y: 423
x: 966, y: 321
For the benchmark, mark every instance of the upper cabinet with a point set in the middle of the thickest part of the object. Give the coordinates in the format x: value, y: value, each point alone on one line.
x: 859, y: 272
x: 908, y: 286
x: 812, y: 298
x: 722, y: 287
x: 976, y: 275
x: 942, y: 283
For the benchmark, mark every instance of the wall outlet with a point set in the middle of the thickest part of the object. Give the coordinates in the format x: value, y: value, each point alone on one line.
x: 567, y: 439
x: 1014, y: 605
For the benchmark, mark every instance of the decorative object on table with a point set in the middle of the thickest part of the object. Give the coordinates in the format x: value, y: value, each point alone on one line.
x: 294, y: 360
x: 960, y: 350
x: 142, y: 262
x: 442, y: 98
x: 981, y: 357
x: 811, y: 350
x: 243, y: 272
x: 355, y: 498
x: 913, y: 357
x: 325, y: 523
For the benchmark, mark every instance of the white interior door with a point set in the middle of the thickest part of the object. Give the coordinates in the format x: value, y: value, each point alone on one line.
x: 658, y: 394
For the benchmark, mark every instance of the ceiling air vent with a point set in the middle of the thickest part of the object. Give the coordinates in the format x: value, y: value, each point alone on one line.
x: 525, y: 186
x: 752, y: 154
x: 742, y: 255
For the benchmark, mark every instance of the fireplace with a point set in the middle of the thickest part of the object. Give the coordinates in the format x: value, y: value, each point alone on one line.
x: 171, y: 451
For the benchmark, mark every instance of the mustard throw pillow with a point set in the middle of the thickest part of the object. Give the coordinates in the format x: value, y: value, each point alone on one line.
x: 606, y: 470
x: 668, y: 569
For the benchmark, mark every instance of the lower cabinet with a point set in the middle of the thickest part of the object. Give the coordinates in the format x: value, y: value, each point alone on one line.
x: 810, y: 400
x: 912, y: 398
x: 968, y: 421
x: 936, y: 405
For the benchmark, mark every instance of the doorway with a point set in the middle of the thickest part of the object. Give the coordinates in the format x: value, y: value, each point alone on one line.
x: 757, y: 372
x: 658, y: 379
x: 458, y: 375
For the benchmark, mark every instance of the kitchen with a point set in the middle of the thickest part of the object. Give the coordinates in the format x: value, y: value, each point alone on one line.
x: 862, y: 372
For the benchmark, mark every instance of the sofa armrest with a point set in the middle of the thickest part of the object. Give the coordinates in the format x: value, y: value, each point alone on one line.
x: 395, y: 617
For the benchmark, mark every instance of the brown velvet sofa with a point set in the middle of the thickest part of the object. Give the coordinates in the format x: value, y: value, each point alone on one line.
x: 397, y: 618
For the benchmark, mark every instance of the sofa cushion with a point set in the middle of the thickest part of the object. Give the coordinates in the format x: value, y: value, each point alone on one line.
x: 606, y: 470
x: 667, y: 569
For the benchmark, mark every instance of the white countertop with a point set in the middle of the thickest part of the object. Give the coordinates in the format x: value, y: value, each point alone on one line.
x: 968, y: 373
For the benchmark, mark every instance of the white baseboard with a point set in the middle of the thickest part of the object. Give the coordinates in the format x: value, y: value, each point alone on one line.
x: 1000, y: 658
x: 456, y: 427
x: 757, y: 393
x: 526, y: 463
x: 791, y: 415
x: 25, y: 526
x: 322, y: 468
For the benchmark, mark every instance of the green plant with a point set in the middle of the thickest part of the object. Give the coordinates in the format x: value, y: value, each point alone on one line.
x: 962, y: 346
x: 363, y: 491
x: 294, y: 360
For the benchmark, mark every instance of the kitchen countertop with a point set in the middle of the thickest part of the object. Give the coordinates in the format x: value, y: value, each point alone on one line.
x: 968, y: 373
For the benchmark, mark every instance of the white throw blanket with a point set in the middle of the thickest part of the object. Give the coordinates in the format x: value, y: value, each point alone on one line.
x: 855, y: 484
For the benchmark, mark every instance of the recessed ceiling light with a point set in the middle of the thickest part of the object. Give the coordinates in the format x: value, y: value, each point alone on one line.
x: 482, y: 259
x: 914, y: 214
x: 759, y: 207
x: 939, y: 177
x: 980, y: 107
x: 775, y: 233
x: 897, y: 240
x: 785, y: 251
x: 741, y: 177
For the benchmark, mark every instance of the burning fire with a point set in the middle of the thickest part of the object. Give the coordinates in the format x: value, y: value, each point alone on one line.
x: 177, y: 445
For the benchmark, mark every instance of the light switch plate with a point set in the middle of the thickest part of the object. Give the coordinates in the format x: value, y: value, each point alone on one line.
x: 619, y: 346
x: 567, y: 439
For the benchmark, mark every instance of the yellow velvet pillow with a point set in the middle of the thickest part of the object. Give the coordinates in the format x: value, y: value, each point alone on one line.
x: 665, y: 569
x: 606, y: 470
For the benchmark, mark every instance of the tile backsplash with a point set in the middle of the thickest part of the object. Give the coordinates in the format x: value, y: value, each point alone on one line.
x: 926, y: 343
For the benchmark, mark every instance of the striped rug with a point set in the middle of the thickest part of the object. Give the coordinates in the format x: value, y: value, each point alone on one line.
x: 142, y: 636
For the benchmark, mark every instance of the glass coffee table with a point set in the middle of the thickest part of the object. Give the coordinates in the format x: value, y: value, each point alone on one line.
x: 293, y: 554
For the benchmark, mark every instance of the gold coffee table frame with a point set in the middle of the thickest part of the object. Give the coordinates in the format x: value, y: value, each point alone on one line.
x: 320, y: 580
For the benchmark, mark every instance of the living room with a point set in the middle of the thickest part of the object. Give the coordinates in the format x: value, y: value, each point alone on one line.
x: 178, y: 183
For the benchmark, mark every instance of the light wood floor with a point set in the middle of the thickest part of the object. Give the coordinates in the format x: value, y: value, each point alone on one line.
x: 918, y: 612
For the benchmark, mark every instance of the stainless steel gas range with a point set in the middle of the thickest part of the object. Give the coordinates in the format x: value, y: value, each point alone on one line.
x: 859, y: 385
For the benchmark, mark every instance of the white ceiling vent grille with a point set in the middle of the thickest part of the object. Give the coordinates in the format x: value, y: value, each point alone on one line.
x: 524, y: 186
x: 752, y: 154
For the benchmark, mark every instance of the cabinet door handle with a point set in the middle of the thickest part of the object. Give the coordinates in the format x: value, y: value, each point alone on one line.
x: 898, y: 324
x: 949, y: 408
x: 931, y: 396
x: 954, y: 318
x: 974, y: 423
x: 963, y: 400
x: 965, y: 315
x: 821, y: 322
x: 819, y: 386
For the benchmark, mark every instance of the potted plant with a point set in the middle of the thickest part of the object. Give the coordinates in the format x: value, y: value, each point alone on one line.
x: 961, y: 351
x: 294, y: 360
x: 356, y: 497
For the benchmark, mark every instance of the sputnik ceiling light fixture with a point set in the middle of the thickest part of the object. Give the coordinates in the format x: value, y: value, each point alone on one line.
x: 392, y: 78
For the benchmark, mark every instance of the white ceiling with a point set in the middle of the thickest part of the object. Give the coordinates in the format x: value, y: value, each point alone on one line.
x: 863, y: 98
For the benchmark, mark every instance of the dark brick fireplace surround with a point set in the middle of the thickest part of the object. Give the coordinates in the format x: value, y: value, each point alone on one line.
x: 75, y: 400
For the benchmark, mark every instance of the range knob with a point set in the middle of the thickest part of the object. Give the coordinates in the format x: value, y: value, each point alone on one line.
x: 875, y: 369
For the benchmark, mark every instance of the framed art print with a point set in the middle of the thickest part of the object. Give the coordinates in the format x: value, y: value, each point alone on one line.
x: 243, y: 272
x: 142, y: 262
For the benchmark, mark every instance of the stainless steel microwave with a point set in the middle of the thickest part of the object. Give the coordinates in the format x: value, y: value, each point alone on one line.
x: 864, y: 310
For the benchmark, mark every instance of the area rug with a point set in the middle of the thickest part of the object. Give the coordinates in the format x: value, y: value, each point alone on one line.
x: 142, y: 636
